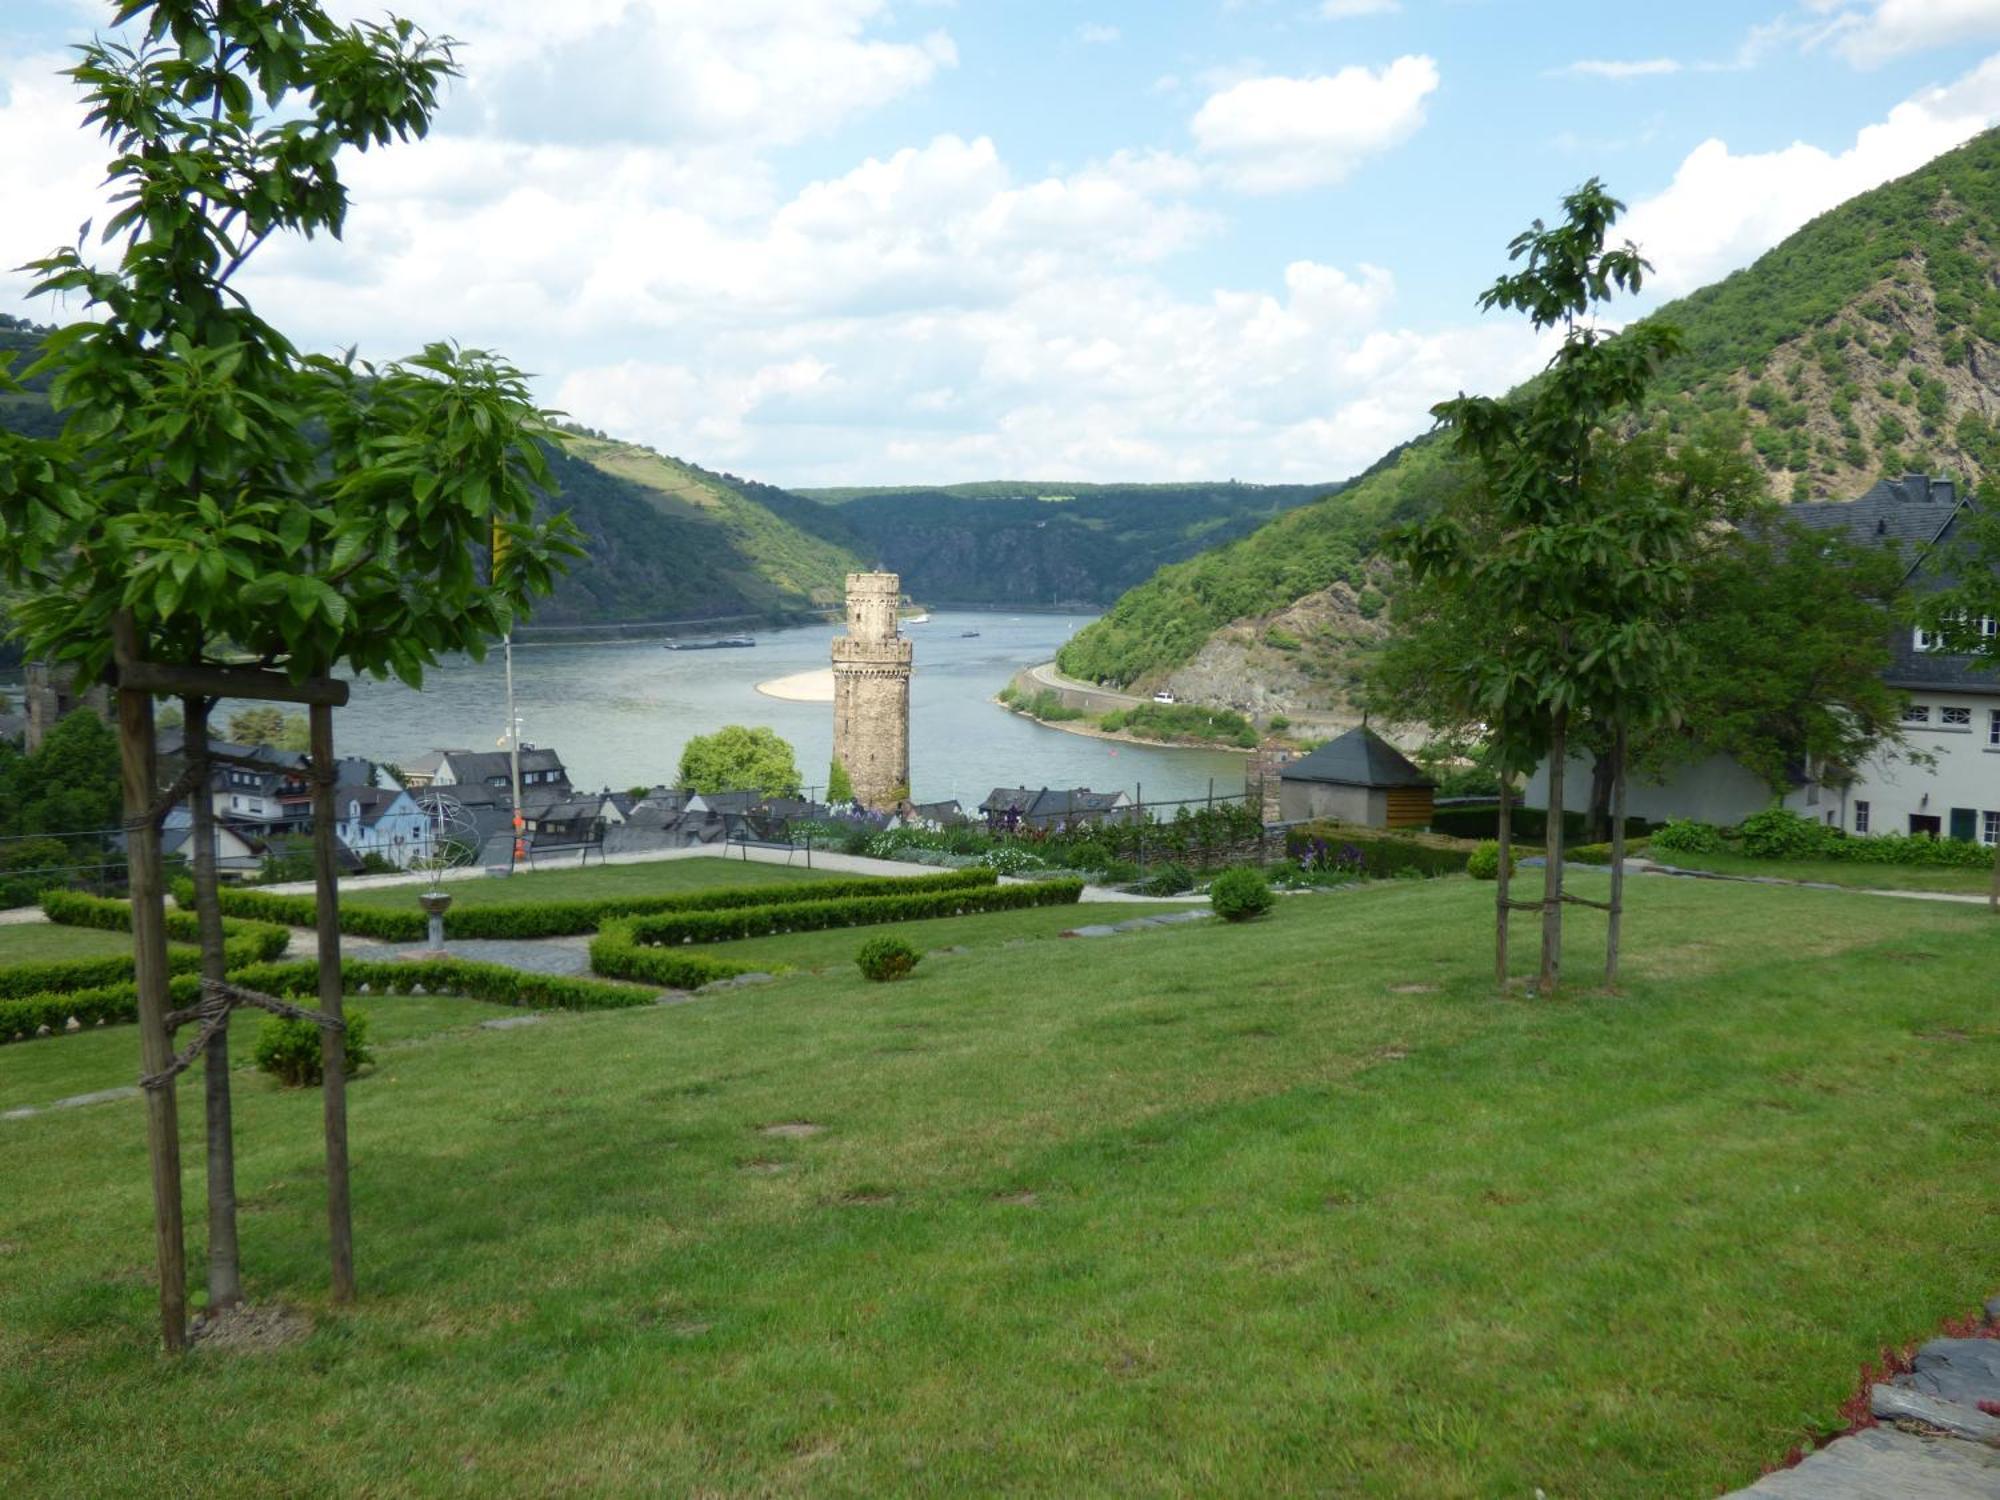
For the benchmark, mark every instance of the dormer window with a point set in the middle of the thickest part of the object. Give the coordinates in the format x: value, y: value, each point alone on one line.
x: 1929, y: 640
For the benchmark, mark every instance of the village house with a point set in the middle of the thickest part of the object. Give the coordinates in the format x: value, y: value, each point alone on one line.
x: 1052, y: 810
x: 1942, y: 780
x: 386, y: 822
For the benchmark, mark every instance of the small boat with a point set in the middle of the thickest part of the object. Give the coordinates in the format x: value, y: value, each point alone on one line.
x: 917, y: 620
x: 968, y: 635
x: 724, y: 643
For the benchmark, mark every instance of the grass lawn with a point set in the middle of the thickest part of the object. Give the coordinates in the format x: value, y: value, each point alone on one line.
x: 592, y: 882
x: 1293, y: 1207
x: 47, y: 942
x: 1840, y: 872
x: 41, y: 1072
x: 818, y: 950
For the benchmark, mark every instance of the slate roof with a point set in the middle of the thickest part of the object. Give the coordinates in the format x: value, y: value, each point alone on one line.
x: 485, y: 765
x: 1360, y: 757
x: 1914, y: 514
x: 1907, y: 513
x: 1050, y: 802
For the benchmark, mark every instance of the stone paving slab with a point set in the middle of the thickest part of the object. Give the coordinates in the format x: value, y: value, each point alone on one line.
x: 1894, y: 1403
x: 1962, y: 1370
x: 1883, y: 1463
x: 1136, y: 924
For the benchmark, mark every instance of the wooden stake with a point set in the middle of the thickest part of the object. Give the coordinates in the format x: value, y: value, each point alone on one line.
x: 225, y: 1270
x: 137, y: 775
x: 333, y: 1044
x: 1552, y: 877
x: 1504, y: 877
x: 1617, y: 908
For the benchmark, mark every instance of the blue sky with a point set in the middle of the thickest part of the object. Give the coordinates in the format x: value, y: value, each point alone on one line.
x: 824, y: 241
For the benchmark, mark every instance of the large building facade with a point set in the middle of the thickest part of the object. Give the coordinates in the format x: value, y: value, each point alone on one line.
x: 871, y: 693
x: 1941, y: 780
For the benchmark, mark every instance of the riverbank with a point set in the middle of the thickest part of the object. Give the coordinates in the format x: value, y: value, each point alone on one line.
x: 1091, y: 731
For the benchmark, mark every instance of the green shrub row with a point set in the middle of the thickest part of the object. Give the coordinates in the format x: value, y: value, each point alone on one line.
x: 253, y: 942
x: 541, y: 919
x: 245, y: 943
x: 630, y: 947
x: 1381, y: 856
x: 1482, y: 821
x: 118, y: 1004
x: 1779, y: 833
x: 112, y: 1004
x: 447, y: 976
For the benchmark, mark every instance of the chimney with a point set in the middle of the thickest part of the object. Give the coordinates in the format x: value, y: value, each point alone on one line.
x: 1917, y: 487
x: 1944, y: 491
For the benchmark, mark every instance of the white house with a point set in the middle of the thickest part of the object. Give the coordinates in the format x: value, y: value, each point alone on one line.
x: 384, y: 821
x: 1942, y: 780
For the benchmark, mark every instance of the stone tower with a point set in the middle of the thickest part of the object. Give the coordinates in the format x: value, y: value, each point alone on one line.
x: 871, y: 693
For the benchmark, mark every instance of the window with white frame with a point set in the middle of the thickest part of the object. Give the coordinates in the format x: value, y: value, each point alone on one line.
x: 1955, y: 718
x: 1928, y: 640
x: 1917, y: 713
x: 1989, y: 827
x: 1861, y: 817
x: 1993, y: 727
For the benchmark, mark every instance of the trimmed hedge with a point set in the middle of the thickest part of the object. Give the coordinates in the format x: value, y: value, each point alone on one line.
x: 119, y: 1003
x: 447, y: 976
x: 644, y: 947
x: 1331, y: 846
x: 859, y: 911
x: 1482, y: 821
x: 541, y: 919
x: 114, y: 1004
x: 244, y: 943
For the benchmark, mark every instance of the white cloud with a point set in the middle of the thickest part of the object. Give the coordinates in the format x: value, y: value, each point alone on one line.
x: 1870, y: 32
x: 49, y: 167
x: 1724, y: 209
x: 1344, y: 10
x: 681, y: 72
x: 1275, y: 134
x: 1096, y: 34
x: 1650, y: 67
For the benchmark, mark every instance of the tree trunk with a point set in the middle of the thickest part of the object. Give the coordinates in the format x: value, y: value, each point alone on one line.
x: 333, y: 1044
x: 1617, y: 915
x: 138, y: 778
x: 225, y: 1272
x: 1994, y: 901
x: 1552, y: 876
x: 1503, y: 878
x: 1605, y: 768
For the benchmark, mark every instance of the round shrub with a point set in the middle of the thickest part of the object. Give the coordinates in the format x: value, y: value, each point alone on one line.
x: 1087, y: 855
x: 1239, y: 895
x: 886, y: 958
x: 1167, y: 880
x: 1484, y: 862
x: 289, y: 1049
x: 1682, y: 836
x: 1777, y: 833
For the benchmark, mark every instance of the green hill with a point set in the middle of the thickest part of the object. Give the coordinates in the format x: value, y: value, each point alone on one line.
x: 1049, y: 542
x: 664, y: 540
x: 1867, y: 343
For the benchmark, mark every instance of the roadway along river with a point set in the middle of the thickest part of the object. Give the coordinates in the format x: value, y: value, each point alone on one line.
x: 619, y: 714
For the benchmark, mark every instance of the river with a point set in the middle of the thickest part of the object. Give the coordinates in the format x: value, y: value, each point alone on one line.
x: 619, y: 714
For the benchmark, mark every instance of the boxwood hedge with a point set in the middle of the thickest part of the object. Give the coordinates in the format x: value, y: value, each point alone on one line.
x: 624, y: 947
x: 542, y: 919
x: 244, y: 943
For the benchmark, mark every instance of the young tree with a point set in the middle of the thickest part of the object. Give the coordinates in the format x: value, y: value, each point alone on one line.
x: 839, y: 786
x: 1574, y: 559
x: 738, y: 759
x: 264, y: 725
x: 215, y: 494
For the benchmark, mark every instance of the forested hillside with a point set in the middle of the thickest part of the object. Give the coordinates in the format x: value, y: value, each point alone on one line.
x: 1049, y: 543
x: 664, y: 540
x: 1866, y: 343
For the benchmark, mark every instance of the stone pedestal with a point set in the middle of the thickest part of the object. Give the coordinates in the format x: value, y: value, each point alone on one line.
x: 435, y: 905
